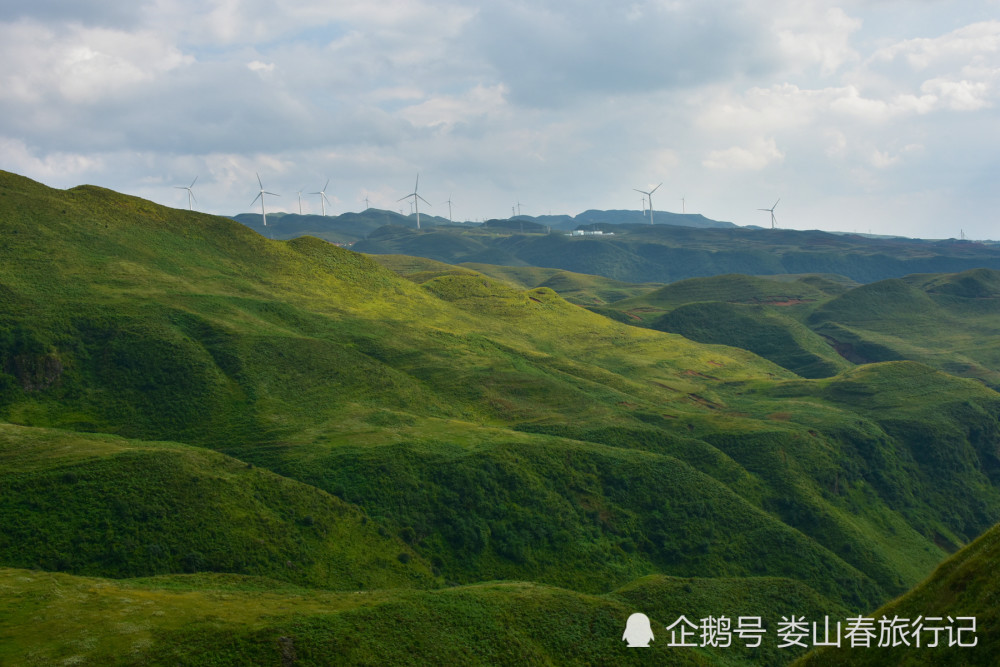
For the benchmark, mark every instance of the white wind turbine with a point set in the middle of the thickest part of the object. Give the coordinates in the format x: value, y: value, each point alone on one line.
x: 415, y: 196
x: 649, y: 196
x: 322, y: 196
x: 299, y: 193
x: 260, y: 196
x: 190, y: 193
x: 449, y: 207
x: 771, y: 211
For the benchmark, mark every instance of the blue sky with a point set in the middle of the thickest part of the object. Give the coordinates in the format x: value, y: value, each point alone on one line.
x: 876, y: 115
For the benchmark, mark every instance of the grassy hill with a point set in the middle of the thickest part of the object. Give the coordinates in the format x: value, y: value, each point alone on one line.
x: 643, y: 253
x: 230, y: 620
x: 486, y: 431
x: 818, y: 325
x: 101, y: 505
x: 578, y: 288
x: 964, y: 587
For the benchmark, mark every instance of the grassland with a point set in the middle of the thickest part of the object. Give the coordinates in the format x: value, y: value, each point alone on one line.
x: 643, y: 253
x: 963, y: 588
x: 470, y: 452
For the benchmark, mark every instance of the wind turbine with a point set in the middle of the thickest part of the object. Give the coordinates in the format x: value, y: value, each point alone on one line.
x: 771, y: 211
x: 683, y: 206
x: 190, y: 194
x: 299, y: 193
x: 260, y: 196
x: 366, y: 203
x: 649, y: 195
x: 415, y: 196
x: 322, y: 196
x: 449, y: 207
x: 643, y: 206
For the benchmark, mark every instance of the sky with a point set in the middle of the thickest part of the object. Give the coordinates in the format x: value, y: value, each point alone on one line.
x: 862, y: 115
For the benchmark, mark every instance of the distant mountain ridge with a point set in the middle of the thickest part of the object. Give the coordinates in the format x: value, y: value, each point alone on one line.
x: 638, y: 253
x: 349, y: 227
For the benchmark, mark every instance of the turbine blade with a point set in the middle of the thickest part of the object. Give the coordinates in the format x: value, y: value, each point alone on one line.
x: 775, y: 204
x: 327, y: 185
x: 655, y: 189
x: 258, y: 181
x: 259, y: 195
x: 193, y: 182
x: 406, y: 197
x: 275, y: 194
x: 422, y: 199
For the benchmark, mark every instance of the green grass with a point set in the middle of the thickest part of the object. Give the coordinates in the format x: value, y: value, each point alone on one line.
x: 443, y: 427
x: 965, y: 585
x: 104, y: 506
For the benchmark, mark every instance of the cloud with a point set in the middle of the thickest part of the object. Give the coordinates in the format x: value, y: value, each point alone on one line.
x: 552, y: 54
x: 78, y: 64
x: 561, y: 105
x: 814, y: 35
x: 759, y: 154
x: 957, y: 46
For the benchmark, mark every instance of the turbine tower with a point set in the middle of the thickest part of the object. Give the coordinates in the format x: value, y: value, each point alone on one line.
x: 299, y: 193
x: 190, y: 194
x: 322, y: 196
x: 415, y: 196
x: 260, y: 196
x: 449, y: 207
x: 771, y: 211
x: 649, y: 196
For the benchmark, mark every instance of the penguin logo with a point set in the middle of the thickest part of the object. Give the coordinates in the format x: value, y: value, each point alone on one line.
x: 637, y: 631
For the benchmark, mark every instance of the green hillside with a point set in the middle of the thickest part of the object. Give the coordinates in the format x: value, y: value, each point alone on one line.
x: 665, y: 253
x: 174, y: 380
x: 963, y: 588
x: 230, y: 620
x: 819, y: 325
x: 578, y: 288
x: 103, y: 506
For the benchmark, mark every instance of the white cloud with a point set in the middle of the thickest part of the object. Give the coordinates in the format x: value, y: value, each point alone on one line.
x: 258, y: 66
x: 759, y: 154
x: 79, y: 64
x: 956, y: 46
x: 52, y: 166
x: 561, y: 105
x: 446, y: 111
x: 810, y: 34
x: 882, y: 160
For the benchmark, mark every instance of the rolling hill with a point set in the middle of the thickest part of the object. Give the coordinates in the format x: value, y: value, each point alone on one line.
x: 642, y: 253
x: 816, y: 326
x: 506, y: 474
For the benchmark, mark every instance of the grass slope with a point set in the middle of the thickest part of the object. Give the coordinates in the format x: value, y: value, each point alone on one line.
x: 498, y: 432
x: 54, y: 618
x: 641, y: 253
x: 102, y: 505
x: 965, y: 585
